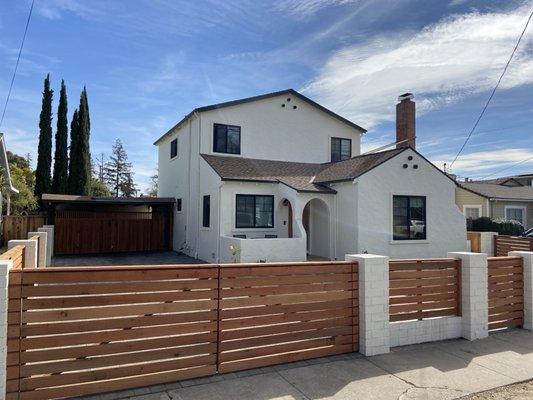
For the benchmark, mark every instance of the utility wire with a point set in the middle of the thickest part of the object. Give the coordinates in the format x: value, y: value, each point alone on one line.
x: 493, y: 91
x: 17, y: 64
x: 509, y: 166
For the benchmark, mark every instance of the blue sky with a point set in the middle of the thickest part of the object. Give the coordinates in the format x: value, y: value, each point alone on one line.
x: 148, y: 63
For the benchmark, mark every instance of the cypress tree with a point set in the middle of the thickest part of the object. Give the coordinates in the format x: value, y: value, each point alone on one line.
x: 85, y: 153
x: 59, y: 181
x: 44, y: 151
x: 73, y: 166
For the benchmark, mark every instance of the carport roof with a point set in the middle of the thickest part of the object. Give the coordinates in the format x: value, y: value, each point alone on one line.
x: 67, y: 198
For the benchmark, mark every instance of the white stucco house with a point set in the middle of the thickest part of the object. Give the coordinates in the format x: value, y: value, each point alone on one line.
x: 278, y: 177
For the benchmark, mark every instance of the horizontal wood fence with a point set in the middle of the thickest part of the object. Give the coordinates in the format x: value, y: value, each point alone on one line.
x: 81, y: 331
x: 17, y: 227
x: 79, y: 232
x: 506, y: 292
x: 16, y: 255
x: 424, y: 288
x: 504, y: 244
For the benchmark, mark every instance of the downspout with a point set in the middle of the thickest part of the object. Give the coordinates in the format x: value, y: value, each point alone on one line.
x: 189, y: 203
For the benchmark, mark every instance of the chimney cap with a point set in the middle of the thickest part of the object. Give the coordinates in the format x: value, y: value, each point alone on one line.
x: 406, y: 96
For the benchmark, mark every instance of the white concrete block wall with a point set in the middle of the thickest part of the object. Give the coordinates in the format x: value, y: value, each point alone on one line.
x: 527, y: 257
x: 474, y: 294
x: 41, y: 256
x: 403, y: 333
x: 49, y: 242
x: 51, y: 237
x: 30, y: 251
x: 487, y: 242
x: 5, y: 265
x: 373, y: 303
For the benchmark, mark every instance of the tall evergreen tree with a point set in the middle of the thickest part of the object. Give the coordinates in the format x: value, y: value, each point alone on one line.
x: 73, y: 166
x: 44, y: 151
x: 79, y: 180
x: 59, y: 181
x: 118, y: 174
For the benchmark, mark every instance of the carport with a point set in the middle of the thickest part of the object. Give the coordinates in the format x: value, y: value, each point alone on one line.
x: 101, y: 225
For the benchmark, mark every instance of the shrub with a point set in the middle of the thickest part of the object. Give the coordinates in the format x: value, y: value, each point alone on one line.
x: 500, y: 225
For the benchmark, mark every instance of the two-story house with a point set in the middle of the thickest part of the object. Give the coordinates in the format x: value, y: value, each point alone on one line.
x: 279, y: 177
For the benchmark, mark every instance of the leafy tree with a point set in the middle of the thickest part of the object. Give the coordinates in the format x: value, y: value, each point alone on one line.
x: 59, y: 181
x: 44, y: 151
x: 23, y: 179
x: 99, y: 189
x: 79, y: 181
x: 118, y: 173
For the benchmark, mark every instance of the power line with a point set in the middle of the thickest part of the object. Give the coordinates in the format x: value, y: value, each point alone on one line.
x: 508, y: 167
x: 17, y: 64
x: 493, y: 91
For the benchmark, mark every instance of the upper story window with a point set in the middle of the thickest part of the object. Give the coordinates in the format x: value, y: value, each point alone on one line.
x: 254, y: 211
x: 409, y: 218
x: 227, y: 139
x: 206, y: 212
x: 341, y: 149
x: 174, y: 148
x: 178, y: 205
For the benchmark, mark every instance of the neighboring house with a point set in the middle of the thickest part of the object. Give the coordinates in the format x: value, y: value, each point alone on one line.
x: 509, y: 198
x: 278, y: 177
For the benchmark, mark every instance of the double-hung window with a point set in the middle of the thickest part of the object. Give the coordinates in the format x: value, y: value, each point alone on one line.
x: 409, y: 218
x: 516, y: 213
x: 227, y: 139
x: 254, y: 211
x: 341, y: 149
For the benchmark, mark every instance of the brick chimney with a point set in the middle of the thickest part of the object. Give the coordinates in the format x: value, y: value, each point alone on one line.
x: 405, y: 121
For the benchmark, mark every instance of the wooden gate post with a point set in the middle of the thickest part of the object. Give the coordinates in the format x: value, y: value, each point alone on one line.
x: 5, y: 265
x: 527, y: 262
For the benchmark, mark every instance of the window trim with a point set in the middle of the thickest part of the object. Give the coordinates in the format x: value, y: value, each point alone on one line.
x: 478, y: 206
x: 215, y: 124
x: 175, y: 140
x: 524, y: 212
x: 410, y: 240
x: 332, y: 138
x: 208, y: 197
x: 271, y: 196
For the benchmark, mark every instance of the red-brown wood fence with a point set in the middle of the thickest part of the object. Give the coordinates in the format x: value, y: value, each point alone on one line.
x: 17, y: 227
x: 506, y: 292
x: 424, y: 288
x: 81, y: 331
x: 504, y: 244
x: 84, y: 232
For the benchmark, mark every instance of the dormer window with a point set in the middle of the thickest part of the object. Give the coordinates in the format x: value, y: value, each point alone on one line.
x: 227, y: 139
x: 341, y: 149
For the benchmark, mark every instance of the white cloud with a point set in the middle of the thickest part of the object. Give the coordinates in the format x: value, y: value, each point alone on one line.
x: 482, y: 163
x: 441, y: 64
x: 304, y: 8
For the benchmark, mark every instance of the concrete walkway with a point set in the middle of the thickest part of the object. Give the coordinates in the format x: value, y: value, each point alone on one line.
x: 146, y: 258
x: 442, y: 370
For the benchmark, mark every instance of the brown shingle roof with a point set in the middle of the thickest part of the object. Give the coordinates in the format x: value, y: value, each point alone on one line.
x: 303, y: 177
x: 496, y: 191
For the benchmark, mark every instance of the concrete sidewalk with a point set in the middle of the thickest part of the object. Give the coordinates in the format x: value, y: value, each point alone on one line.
x: 441, y: 370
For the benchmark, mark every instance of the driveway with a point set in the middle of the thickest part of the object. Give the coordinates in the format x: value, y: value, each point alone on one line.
x: 440, y: 370
x: 148, y: 258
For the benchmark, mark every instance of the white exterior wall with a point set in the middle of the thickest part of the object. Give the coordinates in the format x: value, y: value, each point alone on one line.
x: 272, y: 132
x: 445, y: 224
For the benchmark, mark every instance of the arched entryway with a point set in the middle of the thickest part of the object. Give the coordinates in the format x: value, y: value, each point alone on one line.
x: 285, y: 219
x: 316, y: 222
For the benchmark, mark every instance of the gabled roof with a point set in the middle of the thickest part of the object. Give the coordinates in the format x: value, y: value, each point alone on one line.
x: 499, y: 192
x: 302, y: 177
x: 291, y: 92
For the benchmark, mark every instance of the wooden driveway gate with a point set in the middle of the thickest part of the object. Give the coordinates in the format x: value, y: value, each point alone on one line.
x: 87, y: 232
x: 506, y: 292
x: 87, y: 330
